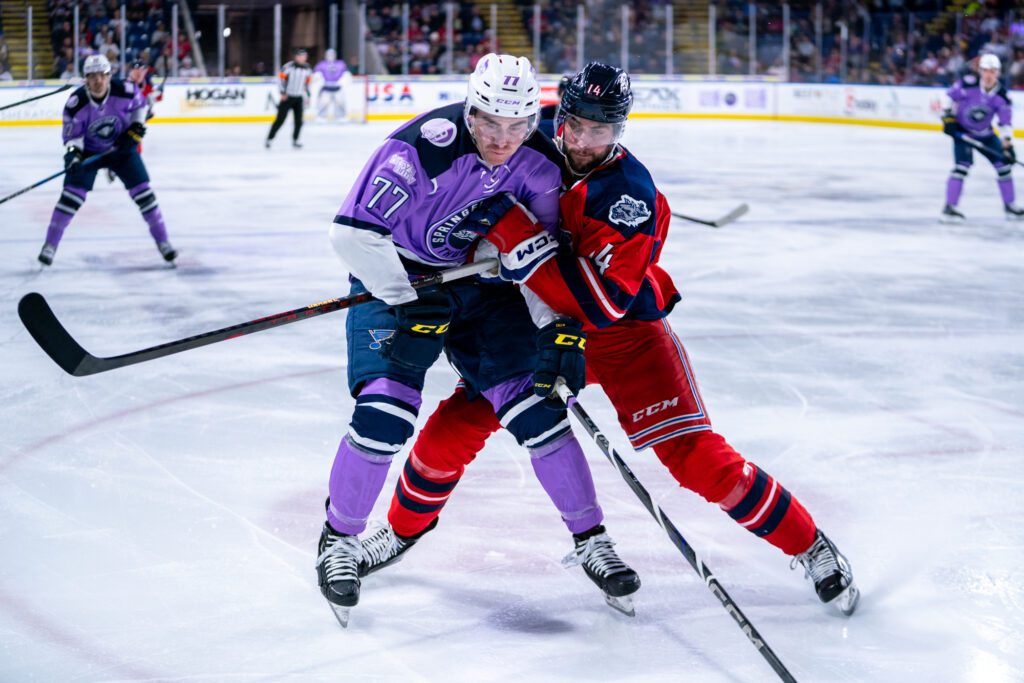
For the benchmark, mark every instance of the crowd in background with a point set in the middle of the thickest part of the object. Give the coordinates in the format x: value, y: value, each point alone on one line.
x: 900, y: 42
x: 890, y: 42
x: 147, y: 36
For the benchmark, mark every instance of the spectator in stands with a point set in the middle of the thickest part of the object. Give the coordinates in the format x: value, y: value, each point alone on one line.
x: 5, y: 75
x: 186, y: 69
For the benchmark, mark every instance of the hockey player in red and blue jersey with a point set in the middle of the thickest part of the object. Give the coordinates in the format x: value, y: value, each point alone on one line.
x: 616, y: 222
x: 417, y: 208
x: 971, y: 106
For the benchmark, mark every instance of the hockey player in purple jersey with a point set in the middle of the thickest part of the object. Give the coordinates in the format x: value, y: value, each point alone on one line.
x: 104, y: 117
x: 414, y: 210
x: 970, y: 106
x: 333, y: 72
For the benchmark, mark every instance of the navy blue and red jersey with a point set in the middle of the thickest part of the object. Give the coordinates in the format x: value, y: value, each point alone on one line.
x: 617, y: 222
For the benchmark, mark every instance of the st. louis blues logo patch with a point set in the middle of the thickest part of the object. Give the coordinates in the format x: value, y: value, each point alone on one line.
x: 379, y: 337
x: 629, y: 211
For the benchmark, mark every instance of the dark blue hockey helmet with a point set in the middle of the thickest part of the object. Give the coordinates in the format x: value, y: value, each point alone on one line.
x: 599, y: 92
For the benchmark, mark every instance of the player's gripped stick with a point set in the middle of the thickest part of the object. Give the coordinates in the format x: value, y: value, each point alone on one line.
x: 47, y: 179
x: 978, y: 144
x: 673, y: 534
x: 724, y: 220
x: 44, y: 327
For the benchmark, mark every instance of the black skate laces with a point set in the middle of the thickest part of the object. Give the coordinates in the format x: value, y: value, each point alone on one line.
x: 598, y: 554
x: 820, y: 561
x: 340, y: 558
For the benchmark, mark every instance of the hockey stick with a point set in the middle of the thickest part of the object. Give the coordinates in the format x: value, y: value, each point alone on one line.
x: 724, y: 220
x: 573, y: 404
x: 59, y: 345
x: 985, y: 148
x: 39, y: 97
x: 58, y: 174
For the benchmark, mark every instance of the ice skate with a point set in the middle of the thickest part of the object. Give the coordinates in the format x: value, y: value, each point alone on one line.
x: 1013, y: 212
x: 337, y: 570
x: 594, y: 550
x: 167, y: 251
x: 266, y: 143
x: 950, y: 214
x: 296, y: 144
x: 385, y: 548
x: 831, y: 573
x: 46, y: 254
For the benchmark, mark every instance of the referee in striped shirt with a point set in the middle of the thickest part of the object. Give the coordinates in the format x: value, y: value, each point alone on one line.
x: 295, y: 77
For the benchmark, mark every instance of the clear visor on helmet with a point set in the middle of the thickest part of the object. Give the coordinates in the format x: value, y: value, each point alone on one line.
x: 580, y: 132
x: 499, y: 130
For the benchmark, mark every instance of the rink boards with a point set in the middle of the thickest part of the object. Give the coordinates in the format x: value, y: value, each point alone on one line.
x: 233, y: 100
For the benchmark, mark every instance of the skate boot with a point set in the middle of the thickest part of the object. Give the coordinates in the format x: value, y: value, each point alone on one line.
x: 950, y: 215
x: 337, y: 571
x: 831, y: 573
x: 1013, y: 212
x: 266, y: 143
x: 296, y: 144
x: 600, y: 562
x: 46, y: 254
x: 385, y: 547
x: 167, y: 251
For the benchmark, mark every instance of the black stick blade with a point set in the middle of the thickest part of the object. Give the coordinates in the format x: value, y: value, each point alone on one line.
x: 42, y: 324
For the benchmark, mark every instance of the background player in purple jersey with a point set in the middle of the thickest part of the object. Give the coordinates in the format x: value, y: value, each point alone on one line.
x: 333, y: 72
x: 416, y: 208
x: 104, y: 117
x: 970, y: 106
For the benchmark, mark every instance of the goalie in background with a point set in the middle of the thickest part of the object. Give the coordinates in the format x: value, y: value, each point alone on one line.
x: 336, y: 78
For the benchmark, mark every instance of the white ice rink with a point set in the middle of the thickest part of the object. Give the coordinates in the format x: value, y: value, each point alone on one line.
x: 159, y: 522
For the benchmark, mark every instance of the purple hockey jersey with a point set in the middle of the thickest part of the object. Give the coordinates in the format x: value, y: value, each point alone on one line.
x: 427, y: 177
x: 332, y: 70
x: 976, y: 108
x: 94, y: 125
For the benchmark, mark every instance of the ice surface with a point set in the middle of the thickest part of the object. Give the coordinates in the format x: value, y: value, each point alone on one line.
x: 159, y: 522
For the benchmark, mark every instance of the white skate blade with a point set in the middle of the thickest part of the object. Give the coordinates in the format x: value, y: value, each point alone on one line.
x: 846, y: 602
x: 341, y: 613
x: 623, y: 604
x: 951, y: 220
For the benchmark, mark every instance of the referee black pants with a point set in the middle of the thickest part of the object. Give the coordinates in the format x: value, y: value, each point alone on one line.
x: 293, y: 104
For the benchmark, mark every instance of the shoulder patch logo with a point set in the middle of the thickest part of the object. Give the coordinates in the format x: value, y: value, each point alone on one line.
x: 439, y: 132
x: 72, y: 102
x: 402, y: 168
x: 629, y: 211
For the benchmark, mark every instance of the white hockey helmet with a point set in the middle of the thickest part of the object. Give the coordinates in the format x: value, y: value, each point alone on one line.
x: 989, y: 61
x: 95, y: 64
x: 331, y: 53
x: 504, y: 85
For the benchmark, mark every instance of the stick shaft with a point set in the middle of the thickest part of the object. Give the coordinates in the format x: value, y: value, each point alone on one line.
x: 38, y: 97
x: 673, y: 533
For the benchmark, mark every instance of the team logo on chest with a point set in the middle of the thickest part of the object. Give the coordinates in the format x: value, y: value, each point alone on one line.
x: 106, y: 128
x: 629, y: 211
x: 446, y: 240
x: 978, y: 113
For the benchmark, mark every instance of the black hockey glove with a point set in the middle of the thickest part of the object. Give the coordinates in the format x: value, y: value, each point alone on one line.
x: 560, y: 348
x: 72, y: 157
x: 487, y: 215
x: 131, y: 137
x: 1010, y: 154
x: 420, y: 327
x: 949, y: 125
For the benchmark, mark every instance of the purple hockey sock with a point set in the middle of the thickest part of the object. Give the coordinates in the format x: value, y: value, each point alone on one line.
x: 953, y: 189
x: 562, y: 470
x: 1006, y: 189
x: 357, y: 478
x: 71, y: 200
x: 144, y: 197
